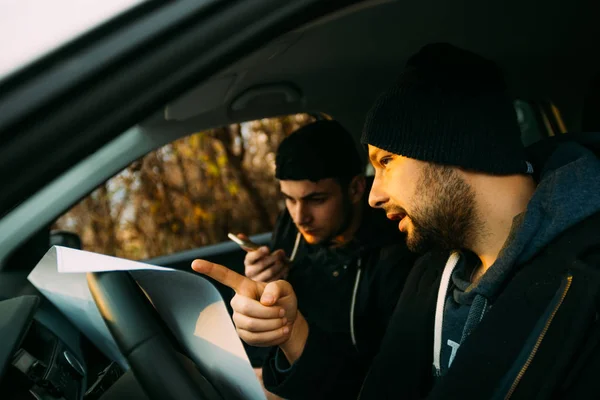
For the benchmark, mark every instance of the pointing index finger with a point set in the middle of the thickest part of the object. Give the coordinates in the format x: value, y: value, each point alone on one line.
x: 223, y: 275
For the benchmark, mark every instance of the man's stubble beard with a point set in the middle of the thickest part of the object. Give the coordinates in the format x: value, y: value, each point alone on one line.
x: 444, y: 214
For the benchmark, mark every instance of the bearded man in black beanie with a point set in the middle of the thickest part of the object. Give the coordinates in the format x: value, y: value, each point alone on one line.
x: 505, y: 302
x: 513, y: 311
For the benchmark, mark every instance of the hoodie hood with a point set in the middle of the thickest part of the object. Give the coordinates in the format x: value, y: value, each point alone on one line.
x: 568, y: 192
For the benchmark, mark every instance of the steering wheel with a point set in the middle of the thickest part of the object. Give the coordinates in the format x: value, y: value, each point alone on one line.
x: 133, y: 322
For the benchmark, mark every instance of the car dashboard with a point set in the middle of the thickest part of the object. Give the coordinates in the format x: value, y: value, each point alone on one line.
x: 43, y: 356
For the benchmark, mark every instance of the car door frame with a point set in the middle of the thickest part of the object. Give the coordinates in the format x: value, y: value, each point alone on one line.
x: 66, y: 106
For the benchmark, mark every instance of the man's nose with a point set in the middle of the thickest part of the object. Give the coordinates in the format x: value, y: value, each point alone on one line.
x: 377, y: 197
x: 302, y: 214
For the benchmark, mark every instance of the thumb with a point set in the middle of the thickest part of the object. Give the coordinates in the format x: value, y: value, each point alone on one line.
x: 273, y: 292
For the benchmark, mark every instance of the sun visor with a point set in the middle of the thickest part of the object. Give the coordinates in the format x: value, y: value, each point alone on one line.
x: 204, y: 98
x: 271, y: 99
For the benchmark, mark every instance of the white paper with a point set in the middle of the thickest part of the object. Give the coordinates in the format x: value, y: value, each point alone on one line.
x: 189, y: 304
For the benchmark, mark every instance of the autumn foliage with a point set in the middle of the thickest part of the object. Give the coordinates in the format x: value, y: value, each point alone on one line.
x: 187, y: 194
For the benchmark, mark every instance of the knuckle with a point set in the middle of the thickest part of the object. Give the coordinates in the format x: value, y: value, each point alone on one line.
x: 245, y: 336
x: 265, y: 262
x: 251, y: 325
x: 260, y: 277
x: 239, y: 305
x: 282, y: 285
x: 250, y: 336
x: 243, y: 308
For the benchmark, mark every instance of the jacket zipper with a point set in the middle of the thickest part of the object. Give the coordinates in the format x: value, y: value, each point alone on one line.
x: 539, y: 340
x: 439, y: 313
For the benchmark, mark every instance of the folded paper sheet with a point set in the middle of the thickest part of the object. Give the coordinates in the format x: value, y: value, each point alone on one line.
x: 189, y: 304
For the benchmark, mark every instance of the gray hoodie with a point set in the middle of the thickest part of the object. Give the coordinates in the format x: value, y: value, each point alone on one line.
x: 568, y: 192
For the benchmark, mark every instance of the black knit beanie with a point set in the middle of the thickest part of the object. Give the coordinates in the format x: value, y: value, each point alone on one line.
x: 449, y: 106
x: 323, y: 149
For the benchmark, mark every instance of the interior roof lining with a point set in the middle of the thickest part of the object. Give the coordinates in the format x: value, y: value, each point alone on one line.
x: 308, y: 61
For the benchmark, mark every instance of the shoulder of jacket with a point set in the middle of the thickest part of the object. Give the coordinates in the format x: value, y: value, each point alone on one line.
x: 580, y: 241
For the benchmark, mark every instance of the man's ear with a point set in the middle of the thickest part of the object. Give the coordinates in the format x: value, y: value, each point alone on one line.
x: 356, y: 189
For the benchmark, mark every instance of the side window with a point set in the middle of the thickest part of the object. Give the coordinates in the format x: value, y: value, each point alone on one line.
x: 530, y: 131
x: 187, y: 194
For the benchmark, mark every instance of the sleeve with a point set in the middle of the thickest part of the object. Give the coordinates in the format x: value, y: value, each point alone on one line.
x: 332, y: 364
x: 329, y: 367
x: 258, y: 355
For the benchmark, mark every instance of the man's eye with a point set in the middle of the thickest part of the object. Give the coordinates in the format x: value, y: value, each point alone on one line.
x: 384, y: 161
x: 319, y: 200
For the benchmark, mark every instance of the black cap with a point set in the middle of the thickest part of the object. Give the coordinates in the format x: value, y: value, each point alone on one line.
x: 323, y: 149
x: 449, y: 106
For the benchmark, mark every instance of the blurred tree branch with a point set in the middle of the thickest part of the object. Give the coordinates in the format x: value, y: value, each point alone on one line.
x: 187, y: 194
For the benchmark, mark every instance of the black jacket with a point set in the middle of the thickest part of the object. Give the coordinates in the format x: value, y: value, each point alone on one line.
x: 538, y: 340
x: 541, y: 335
x: 347, y: 297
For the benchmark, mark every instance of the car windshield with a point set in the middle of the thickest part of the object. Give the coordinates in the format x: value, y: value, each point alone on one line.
x: 30, y: 29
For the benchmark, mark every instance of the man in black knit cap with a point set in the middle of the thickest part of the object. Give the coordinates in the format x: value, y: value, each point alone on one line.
x: 505, y: 302
x: 346, y: 262
x: 513, y: 311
